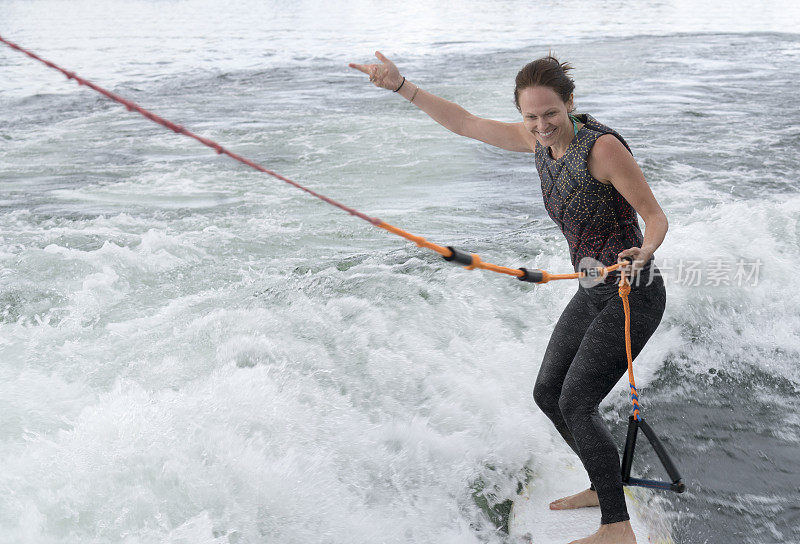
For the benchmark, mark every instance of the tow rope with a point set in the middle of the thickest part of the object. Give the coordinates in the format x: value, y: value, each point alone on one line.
x: 471, y: 261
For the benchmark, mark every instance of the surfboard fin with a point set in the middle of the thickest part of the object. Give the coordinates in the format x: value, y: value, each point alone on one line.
x: 634, y: 425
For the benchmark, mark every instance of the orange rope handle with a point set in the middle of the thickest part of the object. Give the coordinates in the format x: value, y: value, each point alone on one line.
x: 624, y: 291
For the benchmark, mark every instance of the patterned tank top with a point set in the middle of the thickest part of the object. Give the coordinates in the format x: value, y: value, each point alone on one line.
x: 596, y: 220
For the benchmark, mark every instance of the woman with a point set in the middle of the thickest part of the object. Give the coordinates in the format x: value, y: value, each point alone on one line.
x: 593, y: 189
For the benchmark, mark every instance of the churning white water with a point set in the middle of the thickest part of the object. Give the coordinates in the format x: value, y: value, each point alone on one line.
x: 194, y: 352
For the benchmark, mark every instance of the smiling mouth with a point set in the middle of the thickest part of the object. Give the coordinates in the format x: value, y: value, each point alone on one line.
x: 547, y: 134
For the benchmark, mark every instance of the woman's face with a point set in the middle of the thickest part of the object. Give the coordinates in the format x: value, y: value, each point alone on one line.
x: 545, y: 115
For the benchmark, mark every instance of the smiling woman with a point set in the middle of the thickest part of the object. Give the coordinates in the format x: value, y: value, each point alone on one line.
x: 592, y: 189
x: 540, y: 76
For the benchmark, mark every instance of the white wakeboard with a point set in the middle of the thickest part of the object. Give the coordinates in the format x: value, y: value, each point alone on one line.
x: 531, y: 520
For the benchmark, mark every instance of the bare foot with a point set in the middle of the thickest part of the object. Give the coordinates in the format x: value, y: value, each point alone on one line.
x: 612, y: 533
x: 578, y: 500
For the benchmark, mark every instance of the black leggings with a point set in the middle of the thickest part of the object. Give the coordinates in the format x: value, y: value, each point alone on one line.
x: 584, y: 359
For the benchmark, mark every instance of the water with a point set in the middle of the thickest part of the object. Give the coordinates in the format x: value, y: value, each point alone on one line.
x: 191, y: 351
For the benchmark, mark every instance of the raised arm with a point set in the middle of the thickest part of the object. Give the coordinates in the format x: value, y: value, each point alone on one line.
x: 511, y: 136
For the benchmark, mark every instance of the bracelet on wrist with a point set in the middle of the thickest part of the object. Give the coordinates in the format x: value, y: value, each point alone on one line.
x: 414, y: 95
x: 401, y: 85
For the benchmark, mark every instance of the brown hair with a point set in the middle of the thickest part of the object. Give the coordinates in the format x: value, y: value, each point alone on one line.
x: 546, y: 72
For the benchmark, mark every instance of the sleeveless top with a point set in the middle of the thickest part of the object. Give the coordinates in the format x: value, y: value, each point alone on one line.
x: 596, y: 220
